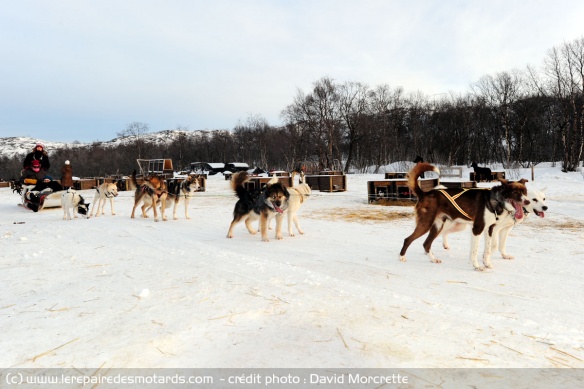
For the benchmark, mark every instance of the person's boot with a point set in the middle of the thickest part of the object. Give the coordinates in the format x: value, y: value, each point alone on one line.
x: 32, y: 206
x: 33, y: 198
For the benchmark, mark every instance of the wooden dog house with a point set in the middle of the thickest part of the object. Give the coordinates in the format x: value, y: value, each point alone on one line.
x: 396, y: 189
x: 259, y: 182
x: 327, y: 181
x: 495, y: 176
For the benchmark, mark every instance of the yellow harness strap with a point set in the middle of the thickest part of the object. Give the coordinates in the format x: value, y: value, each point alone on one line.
x: 452, y: 199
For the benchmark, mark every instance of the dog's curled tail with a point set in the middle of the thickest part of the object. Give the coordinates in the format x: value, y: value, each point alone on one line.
x: 134, y: 181
x: 415, y: 173
x: 238, y: 179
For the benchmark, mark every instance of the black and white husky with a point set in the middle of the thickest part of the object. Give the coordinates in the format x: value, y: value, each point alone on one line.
x: 178, y: 191
x: 265, y: 204
x: 70, y: 199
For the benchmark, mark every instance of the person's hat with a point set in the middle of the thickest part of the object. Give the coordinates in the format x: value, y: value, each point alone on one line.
x: 67, y: 162
x: 36, y: 165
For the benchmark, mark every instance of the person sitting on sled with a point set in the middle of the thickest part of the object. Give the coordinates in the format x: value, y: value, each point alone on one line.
x: 43, y: 185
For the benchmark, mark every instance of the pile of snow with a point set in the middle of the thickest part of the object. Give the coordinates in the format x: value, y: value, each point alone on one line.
x: 119, y: 292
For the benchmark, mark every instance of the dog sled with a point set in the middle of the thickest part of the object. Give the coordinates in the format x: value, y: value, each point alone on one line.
x: 47, y: 198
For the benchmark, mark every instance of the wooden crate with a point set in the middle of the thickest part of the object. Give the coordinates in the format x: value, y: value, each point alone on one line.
x: 498, y: 175
x: 327, y: 182
x: 259, y: 182
x: 330, y: 173
x: 396, y: 189
x: 459, y: 184
x: 84, y: 184
x: 4, y: 184
x: 495, y: 176
x: 312, y: 181
x: 279, y: 173
x: 332, y: 183
x: 392, y: 175
x: 451, y: 171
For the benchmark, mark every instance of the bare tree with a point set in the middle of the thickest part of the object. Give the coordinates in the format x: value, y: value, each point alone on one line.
x: 136, y: 131
x: 500, y: 93
x: 354, y: 111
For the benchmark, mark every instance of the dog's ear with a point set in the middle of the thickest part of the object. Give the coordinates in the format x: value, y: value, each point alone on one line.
x: 523, y: 181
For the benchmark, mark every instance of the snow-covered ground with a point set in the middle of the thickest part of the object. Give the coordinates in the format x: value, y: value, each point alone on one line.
x: 119, y: 292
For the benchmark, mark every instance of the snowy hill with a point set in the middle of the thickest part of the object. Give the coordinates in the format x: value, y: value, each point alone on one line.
x: 10, y: 146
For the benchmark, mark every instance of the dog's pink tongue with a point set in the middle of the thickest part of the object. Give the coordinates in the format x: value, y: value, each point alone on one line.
x: 278, y: 209
x: 541, y: 214
x: 518, y: 210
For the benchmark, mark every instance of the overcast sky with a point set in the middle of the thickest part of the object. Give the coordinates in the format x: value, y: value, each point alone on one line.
x: 83, y: 70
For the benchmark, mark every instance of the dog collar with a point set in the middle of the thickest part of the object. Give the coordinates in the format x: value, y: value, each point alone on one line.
x: 107, y: 194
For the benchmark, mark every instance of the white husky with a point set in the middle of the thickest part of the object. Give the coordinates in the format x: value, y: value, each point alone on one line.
x: 298, y: 194
x: 102, y: 193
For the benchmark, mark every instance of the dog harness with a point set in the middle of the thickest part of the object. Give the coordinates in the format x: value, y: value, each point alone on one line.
x: 452, y: 199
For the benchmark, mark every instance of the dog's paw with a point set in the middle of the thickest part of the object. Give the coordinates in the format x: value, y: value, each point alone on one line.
x: 265, y: 239
x: 507, y: 256
x: 479, y: 268
x: 446, y: 247
x: 433, y: 259
x: 292, y: 234
x: 402, y: 258
x: 279, y: 237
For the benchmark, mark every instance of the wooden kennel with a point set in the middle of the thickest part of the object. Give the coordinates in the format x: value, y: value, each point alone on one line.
x: 495, y: 176
x: 259, y: 182
x: 396, y: 189
x: 327, y: 182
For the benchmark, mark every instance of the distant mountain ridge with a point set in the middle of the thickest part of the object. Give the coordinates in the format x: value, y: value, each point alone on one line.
x: 9, y: 146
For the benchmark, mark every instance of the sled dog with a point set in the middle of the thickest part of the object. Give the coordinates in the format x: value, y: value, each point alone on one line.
x: 179, y: 191
x: 71, y: 200
x: 150, y: 191
x: 104, y: 192
x: 536, y: 205
x: 481, y: 173
x: 265, y: 204
x: 298, y: 195
x: 480, y: 207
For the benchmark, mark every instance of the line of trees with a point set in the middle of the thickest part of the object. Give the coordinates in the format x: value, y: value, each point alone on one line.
x: 516, y: 118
